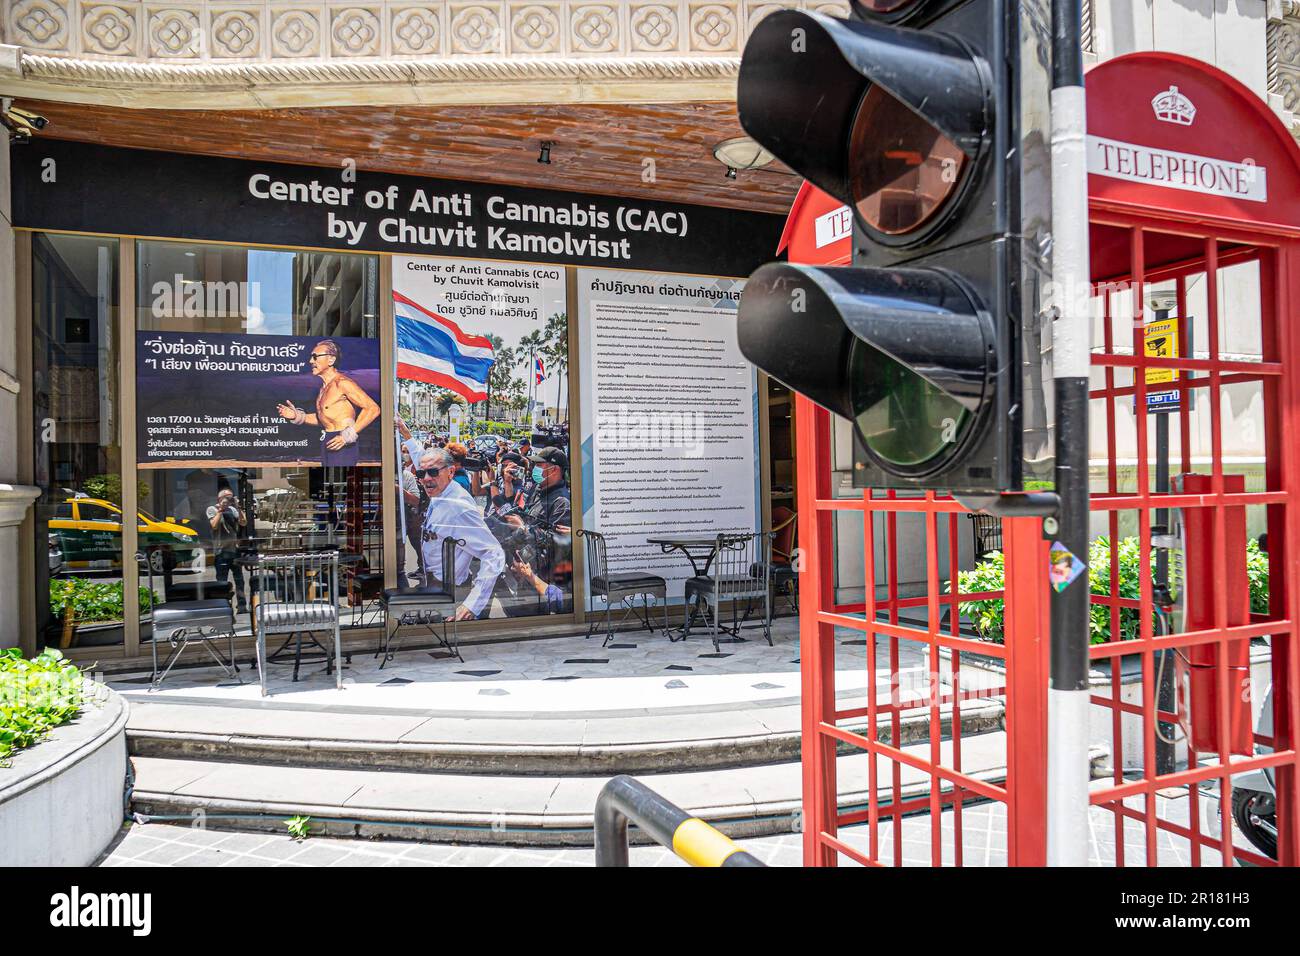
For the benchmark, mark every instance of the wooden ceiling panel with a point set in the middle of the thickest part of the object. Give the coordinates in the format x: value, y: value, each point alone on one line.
x: 597, y: 148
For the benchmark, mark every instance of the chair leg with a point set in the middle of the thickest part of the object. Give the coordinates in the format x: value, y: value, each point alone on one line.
x: 645, y: 603
x: 455, y: 637
x: 338, y: 657
x: 717, y: 624
x: 153, y: 644
x: 664, y: 597
x: 261, y: 660
x: 386, y: 648
x: 609, y: 619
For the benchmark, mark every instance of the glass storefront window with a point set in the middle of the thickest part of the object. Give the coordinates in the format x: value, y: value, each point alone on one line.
x: 78, y: 460
x: 211, y: 514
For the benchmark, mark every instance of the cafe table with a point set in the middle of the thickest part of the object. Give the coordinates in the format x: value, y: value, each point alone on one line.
x: 700, y: 552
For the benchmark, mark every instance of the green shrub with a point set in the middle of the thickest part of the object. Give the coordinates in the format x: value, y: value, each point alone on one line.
x: 109, y: 488
x: 987, y: 617
x: 90, y: 600
x: 35, y: 697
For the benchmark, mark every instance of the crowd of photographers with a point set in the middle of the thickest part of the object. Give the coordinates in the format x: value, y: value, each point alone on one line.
x: 508, y: 502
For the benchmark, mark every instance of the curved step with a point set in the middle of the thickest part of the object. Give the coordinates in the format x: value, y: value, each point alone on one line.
x: 651, y: 743
x: 517, y: 810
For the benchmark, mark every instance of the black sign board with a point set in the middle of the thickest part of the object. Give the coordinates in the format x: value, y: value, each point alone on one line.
x: 79, y: 187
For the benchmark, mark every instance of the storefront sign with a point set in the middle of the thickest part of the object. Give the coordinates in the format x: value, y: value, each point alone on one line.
x: 81, y: 187
x: 669, y: 410
x: 248, y: 400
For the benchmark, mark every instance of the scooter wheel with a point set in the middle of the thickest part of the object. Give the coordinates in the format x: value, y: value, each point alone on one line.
x: 1248, y: 803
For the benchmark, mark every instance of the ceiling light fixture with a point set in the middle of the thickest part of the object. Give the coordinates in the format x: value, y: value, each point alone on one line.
x: 741, y: 153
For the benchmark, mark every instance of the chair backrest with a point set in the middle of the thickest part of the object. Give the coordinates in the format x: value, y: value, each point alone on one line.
x: 784, y: 524
x: 301, y: 586
x: 449, y: 588
x: 743, y: 565
x: 597, y: 563
x: 143, y: 559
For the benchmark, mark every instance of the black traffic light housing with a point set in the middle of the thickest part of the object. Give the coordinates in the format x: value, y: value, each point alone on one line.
x: 934, y: 343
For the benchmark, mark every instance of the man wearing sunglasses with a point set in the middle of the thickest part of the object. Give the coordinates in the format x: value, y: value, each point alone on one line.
x: 343, y: 408
x: 453, y: 513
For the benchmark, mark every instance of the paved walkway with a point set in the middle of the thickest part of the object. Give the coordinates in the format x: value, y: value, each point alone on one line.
x: 637, y: 671
x: 983, y: 842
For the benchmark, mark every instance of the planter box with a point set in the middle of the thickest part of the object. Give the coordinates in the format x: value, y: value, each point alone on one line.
x: 61, y: 801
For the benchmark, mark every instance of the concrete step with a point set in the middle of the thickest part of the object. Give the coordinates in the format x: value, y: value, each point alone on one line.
x: 507, y: 809
x: 540, y: 746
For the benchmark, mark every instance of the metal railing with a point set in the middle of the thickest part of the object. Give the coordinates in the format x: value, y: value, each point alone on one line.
x: 625, y: 799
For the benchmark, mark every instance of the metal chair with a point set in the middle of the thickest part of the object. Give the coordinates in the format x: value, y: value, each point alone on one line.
x: 364, y: 590
x: 619, y: 586
x: 424, y: 606
x: 296, y: 594
x: 785, y: 580
x: 741, y: 570
x: 180, y: 622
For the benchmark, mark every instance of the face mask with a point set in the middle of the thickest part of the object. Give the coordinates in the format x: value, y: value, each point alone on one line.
x: 537, y: 474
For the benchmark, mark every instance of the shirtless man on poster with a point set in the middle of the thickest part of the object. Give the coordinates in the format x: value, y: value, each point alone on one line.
x: 342, y: 408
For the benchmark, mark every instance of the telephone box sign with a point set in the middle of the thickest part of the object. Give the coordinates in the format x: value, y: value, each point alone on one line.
x: 818, y: 230
x: 833, y: 226
x: 1169, y: 132
x: 1163, y: 167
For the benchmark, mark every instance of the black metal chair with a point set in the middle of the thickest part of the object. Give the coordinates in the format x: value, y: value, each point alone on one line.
x: 181, y: 622
x: 618, y: 586
x: 296, y: 594
x: 425, y: 607
x: 741, y: 571
x: 365, y: 590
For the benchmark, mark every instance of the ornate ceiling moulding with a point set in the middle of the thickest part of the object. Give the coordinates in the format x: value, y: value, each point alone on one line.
x: 466, y: 80
x: 281, y: 53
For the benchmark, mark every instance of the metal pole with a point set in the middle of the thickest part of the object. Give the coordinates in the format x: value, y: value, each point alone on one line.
x: 1067, y: 705
x: 1165, y: 696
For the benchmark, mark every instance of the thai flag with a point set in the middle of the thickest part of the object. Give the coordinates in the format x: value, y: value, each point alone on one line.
x: 434, y: 349
x: 539, y: 371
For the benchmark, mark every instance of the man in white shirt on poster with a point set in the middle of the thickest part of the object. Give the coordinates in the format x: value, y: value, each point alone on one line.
x: 453, y: 512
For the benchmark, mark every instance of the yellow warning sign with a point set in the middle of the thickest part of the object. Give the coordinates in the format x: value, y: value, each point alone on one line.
x: 1160, y: 340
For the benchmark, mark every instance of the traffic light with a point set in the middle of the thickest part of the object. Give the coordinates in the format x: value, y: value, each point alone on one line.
x: 929, y: 120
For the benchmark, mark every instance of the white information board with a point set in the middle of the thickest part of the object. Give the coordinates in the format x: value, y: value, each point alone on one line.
x: 669, y: 415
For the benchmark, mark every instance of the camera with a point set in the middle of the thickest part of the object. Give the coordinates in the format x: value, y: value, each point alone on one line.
x: 551, y: 438
x: 470, y: 462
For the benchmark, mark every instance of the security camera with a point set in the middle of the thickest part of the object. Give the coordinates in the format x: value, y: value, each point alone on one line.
x: 21, y: 123
x: 34, y: 120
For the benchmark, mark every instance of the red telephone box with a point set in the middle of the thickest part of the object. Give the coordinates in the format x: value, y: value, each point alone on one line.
x: 1194, y: 196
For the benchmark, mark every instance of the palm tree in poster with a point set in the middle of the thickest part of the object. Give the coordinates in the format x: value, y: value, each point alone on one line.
x: 556, y: 353
x: 532, y: 344
x: 502, y: 369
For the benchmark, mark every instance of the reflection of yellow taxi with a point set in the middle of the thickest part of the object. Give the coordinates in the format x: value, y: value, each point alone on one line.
x: 88, y: 532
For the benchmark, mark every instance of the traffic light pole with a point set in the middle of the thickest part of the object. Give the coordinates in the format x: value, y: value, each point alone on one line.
x: 1067, y: 740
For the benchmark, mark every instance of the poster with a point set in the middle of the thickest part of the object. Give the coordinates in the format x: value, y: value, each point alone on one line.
x: 211, y: 400
x: 482, y: 352
x: 669, y: 413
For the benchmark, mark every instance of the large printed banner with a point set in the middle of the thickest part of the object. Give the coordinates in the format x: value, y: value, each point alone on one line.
x: 248, y: 400
x: 482, y: 358
x: 669, y: 416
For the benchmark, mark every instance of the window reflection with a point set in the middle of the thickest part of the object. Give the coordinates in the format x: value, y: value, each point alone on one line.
x: 78, y: 462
